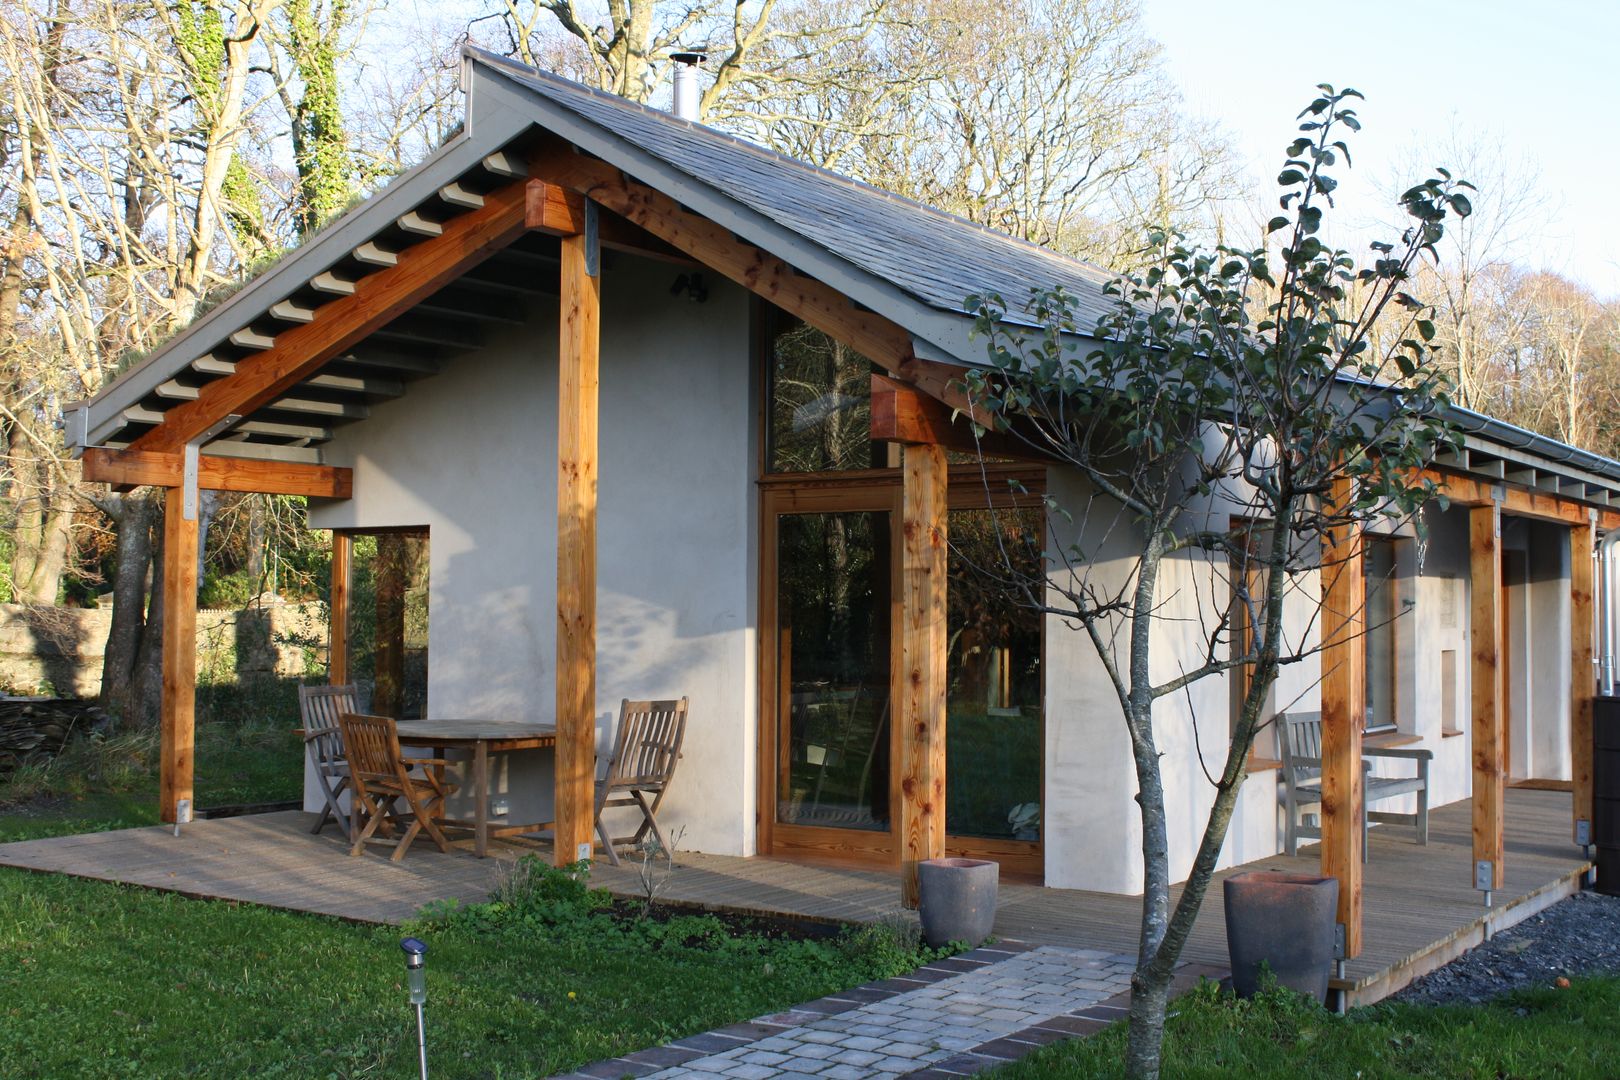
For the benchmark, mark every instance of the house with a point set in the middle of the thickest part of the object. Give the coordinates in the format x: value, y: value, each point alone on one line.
x: 663, y: 414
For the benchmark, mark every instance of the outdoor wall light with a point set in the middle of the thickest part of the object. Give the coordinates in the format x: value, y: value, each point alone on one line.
x: 416, y: 977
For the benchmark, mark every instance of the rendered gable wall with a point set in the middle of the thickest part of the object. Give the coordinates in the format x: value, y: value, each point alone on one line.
x: 471, y: 453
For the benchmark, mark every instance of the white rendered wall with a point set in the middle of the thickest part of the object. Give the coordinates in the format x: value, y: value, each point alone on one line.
x: 471, y: 454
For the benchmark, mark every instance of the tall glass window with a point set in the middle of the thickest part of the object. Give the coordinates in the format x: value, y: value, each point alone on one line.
x: 1380, y: 611
x: 993, y: 725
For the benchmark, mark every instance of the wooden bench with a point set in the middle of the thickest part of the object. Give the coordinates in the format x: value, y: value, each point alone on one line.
x: 1302, y: 782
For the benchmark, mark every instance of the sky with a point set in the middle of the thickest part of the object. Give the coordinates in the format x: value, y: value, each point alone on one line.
x: 1536, y: 80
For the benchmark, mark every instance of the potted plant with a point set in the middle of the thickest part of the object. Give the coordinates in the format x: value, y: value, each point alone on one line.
x: 1286, y: 923
x: 956, y: 899
x: 1025, y: 821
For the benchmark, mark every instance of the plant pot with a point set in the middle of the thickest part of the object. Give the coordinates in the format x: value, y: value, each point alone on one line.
x: 956, y: 899
x: 1286, y: 923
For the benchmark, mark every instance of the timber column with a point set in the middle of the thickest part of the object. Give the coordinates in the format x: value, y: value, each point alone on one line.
x: 576, y: 544
x: 1582, y: 675
x: 1486, y: 691
x: 1344, y: 712
x: 920, y: 693
x: 177, y: 711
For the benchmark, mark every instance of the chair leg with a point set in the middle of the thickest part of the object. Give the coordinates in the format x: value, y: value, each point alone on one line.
x: 647, y: 813
x: 1290, y: 827
x: 607, y: 841
x: 405, y: 841
x: 425, y: 817
x: 375, y: 816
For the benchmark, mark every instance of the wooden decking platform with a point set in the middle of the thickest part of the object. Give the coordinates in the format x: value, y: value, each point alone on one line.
x: 1421, y: 909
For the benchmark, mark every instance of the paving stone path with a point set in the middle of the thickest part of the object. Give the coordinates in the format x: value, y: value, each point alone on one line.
x: 951, y: 1018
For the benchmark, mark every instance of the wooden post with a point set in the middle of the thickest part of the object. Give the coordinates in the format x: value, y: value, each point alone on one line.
x: 1582, y: 677
x: 1486, y: 690
x: 576, y: 548
x: 337, y: 634
x: 920, y: 691
x: 177, y: 719
x: 1344, y: 714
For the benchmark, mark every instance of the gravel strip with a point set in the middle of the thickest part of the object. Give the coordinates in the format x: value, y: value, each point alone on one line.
x: 1578, y: 936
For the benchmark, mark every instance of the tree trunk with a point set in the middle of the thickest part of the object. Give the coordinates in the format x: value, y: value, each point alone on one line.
x: 146, y: 680
x: 1144, y: 1047
x: 133, y: 516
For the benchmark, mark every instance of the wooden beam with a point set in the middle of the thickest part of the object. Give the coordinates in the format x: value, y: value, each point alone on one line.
x: 1537, y: 505
x: 878, y: 339
x: 337, y: 632
x: 177, y: 709
x: 1344, y: 714
x: 558, y: 211
x: 920, y: 690
x: 576, y: 551
x: 1582, y: 677
x: 138, y: 468
x: 554, y: 210
x: 1486, y: 689
x: 906, y: 414
x: 377, y: 300
x: 822, y: 306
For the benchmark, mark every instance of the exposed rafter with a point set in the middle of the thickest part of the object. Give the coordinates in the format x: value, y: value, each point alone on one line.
x: 377, y: 300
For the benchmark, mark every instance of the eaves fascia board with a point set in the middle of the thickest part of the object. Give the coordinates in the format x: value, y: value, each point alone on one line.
x: 946, y: 331
x: 495, y: 128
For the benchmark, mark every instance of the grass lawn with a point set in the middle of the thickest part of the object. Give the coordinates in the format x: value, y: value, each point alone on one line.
x: 112, y: 783
x: 99, y: 980
x: 1541, y: 1033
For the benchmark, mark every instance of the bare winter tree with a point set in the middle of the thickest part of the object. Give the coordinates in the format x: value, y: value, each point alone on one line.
x: 1224, y: 443
x: 1078, y: 129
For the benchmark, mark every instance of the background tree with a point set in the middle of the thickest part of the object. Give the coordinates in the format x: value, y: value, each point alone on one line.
x: 1220, y: 439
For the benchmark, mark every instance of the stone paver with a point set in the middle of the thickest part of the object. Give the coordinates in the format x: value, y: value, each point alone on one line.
x: 905, y: 1025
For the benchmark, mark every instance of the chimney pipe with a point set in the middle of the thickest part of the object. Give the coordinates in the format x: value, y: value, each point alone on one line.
x: 685, y: 101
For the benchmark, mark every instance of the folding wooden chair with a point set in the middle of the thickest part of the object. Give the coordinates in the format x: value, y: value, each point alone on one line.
x: 645, y: 750
x: 380, y: 777
x: 319, y: 708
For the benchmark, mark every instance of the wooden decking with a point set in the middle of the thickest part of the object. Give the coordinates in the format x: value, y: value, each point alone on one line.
x: 1421, y: 909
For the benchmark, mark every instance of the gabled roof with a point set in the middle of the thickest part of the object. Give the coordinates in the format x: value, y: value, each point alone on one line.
x: 910, y: 263
x: 935, y: 258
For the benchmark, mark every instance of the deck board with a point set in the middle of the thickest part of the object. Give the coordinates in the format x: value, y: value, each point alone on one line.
x: 1420, y: 904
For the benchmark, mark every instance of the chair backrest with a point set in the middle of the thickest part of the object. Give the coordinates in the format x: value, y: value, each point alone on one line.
x: 648, y: 743
x: 372, y: 744
x: 319, y: 708
x: 1301, y: 745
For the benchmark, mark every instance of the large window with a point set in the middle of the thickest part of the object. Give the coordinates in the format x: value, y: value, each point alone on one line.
x: 820, y: 403
x: 993, y: 726
x: 1247, y: 582
x: 831, y: 509
x: 385, y: 623
x: 1379, y: 562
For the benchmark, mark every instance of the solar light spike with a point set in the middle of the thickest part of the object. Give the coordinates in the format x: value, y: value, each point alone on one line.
x: 416, y: 976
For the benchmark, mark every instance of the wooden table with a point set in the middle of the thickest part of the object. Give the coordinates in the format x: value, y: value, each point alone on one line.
x: 482, y: 738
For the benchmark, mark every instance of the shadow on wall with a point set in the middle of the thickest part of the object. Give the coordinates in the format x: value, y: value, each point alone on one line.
x: 60, y: 644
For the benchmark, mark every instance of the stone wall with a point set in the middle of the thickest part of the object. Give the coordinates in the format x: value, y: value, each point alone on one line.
x: 59, y: 650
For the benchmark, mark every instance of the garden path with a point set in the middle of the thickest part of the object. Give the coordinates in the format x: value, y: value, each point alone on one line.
x: 950, y: 1018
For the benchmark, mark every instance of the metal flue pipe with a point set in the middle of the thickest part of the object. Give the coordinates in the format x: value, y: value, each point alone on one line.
x: 685, y: 100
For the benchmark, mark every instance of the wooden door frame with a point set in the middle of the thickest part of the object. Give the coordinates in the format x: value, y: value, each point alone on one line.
x: 870, y: 491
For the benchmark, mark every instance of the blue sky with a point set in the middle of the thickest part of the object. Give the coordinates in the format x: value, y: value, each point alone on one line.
x: 1539, y: 79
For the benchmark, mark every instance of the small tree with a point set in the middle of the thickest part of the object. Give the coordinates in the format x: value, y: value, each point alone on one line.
x: 1233, y: 408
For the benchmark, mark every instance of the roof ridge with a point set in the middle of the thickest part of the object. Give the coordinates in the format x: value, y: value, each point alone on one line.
x: 619, y: 101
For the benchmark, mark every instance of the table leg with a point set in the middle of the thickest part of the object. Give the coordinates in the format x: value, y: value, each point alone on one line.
x: 481, y: 792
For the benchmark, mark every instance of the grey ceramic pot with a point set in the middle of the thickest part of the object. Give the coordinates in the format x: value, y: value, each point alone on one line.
x: 1284, y: 921
x: 956, y: 899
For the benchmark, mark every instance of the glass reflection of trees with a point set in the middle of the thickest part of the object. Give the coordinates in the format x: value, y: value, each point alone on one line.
x: 821, y: 404
x: 833, y: 635
x: 993, y: 727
